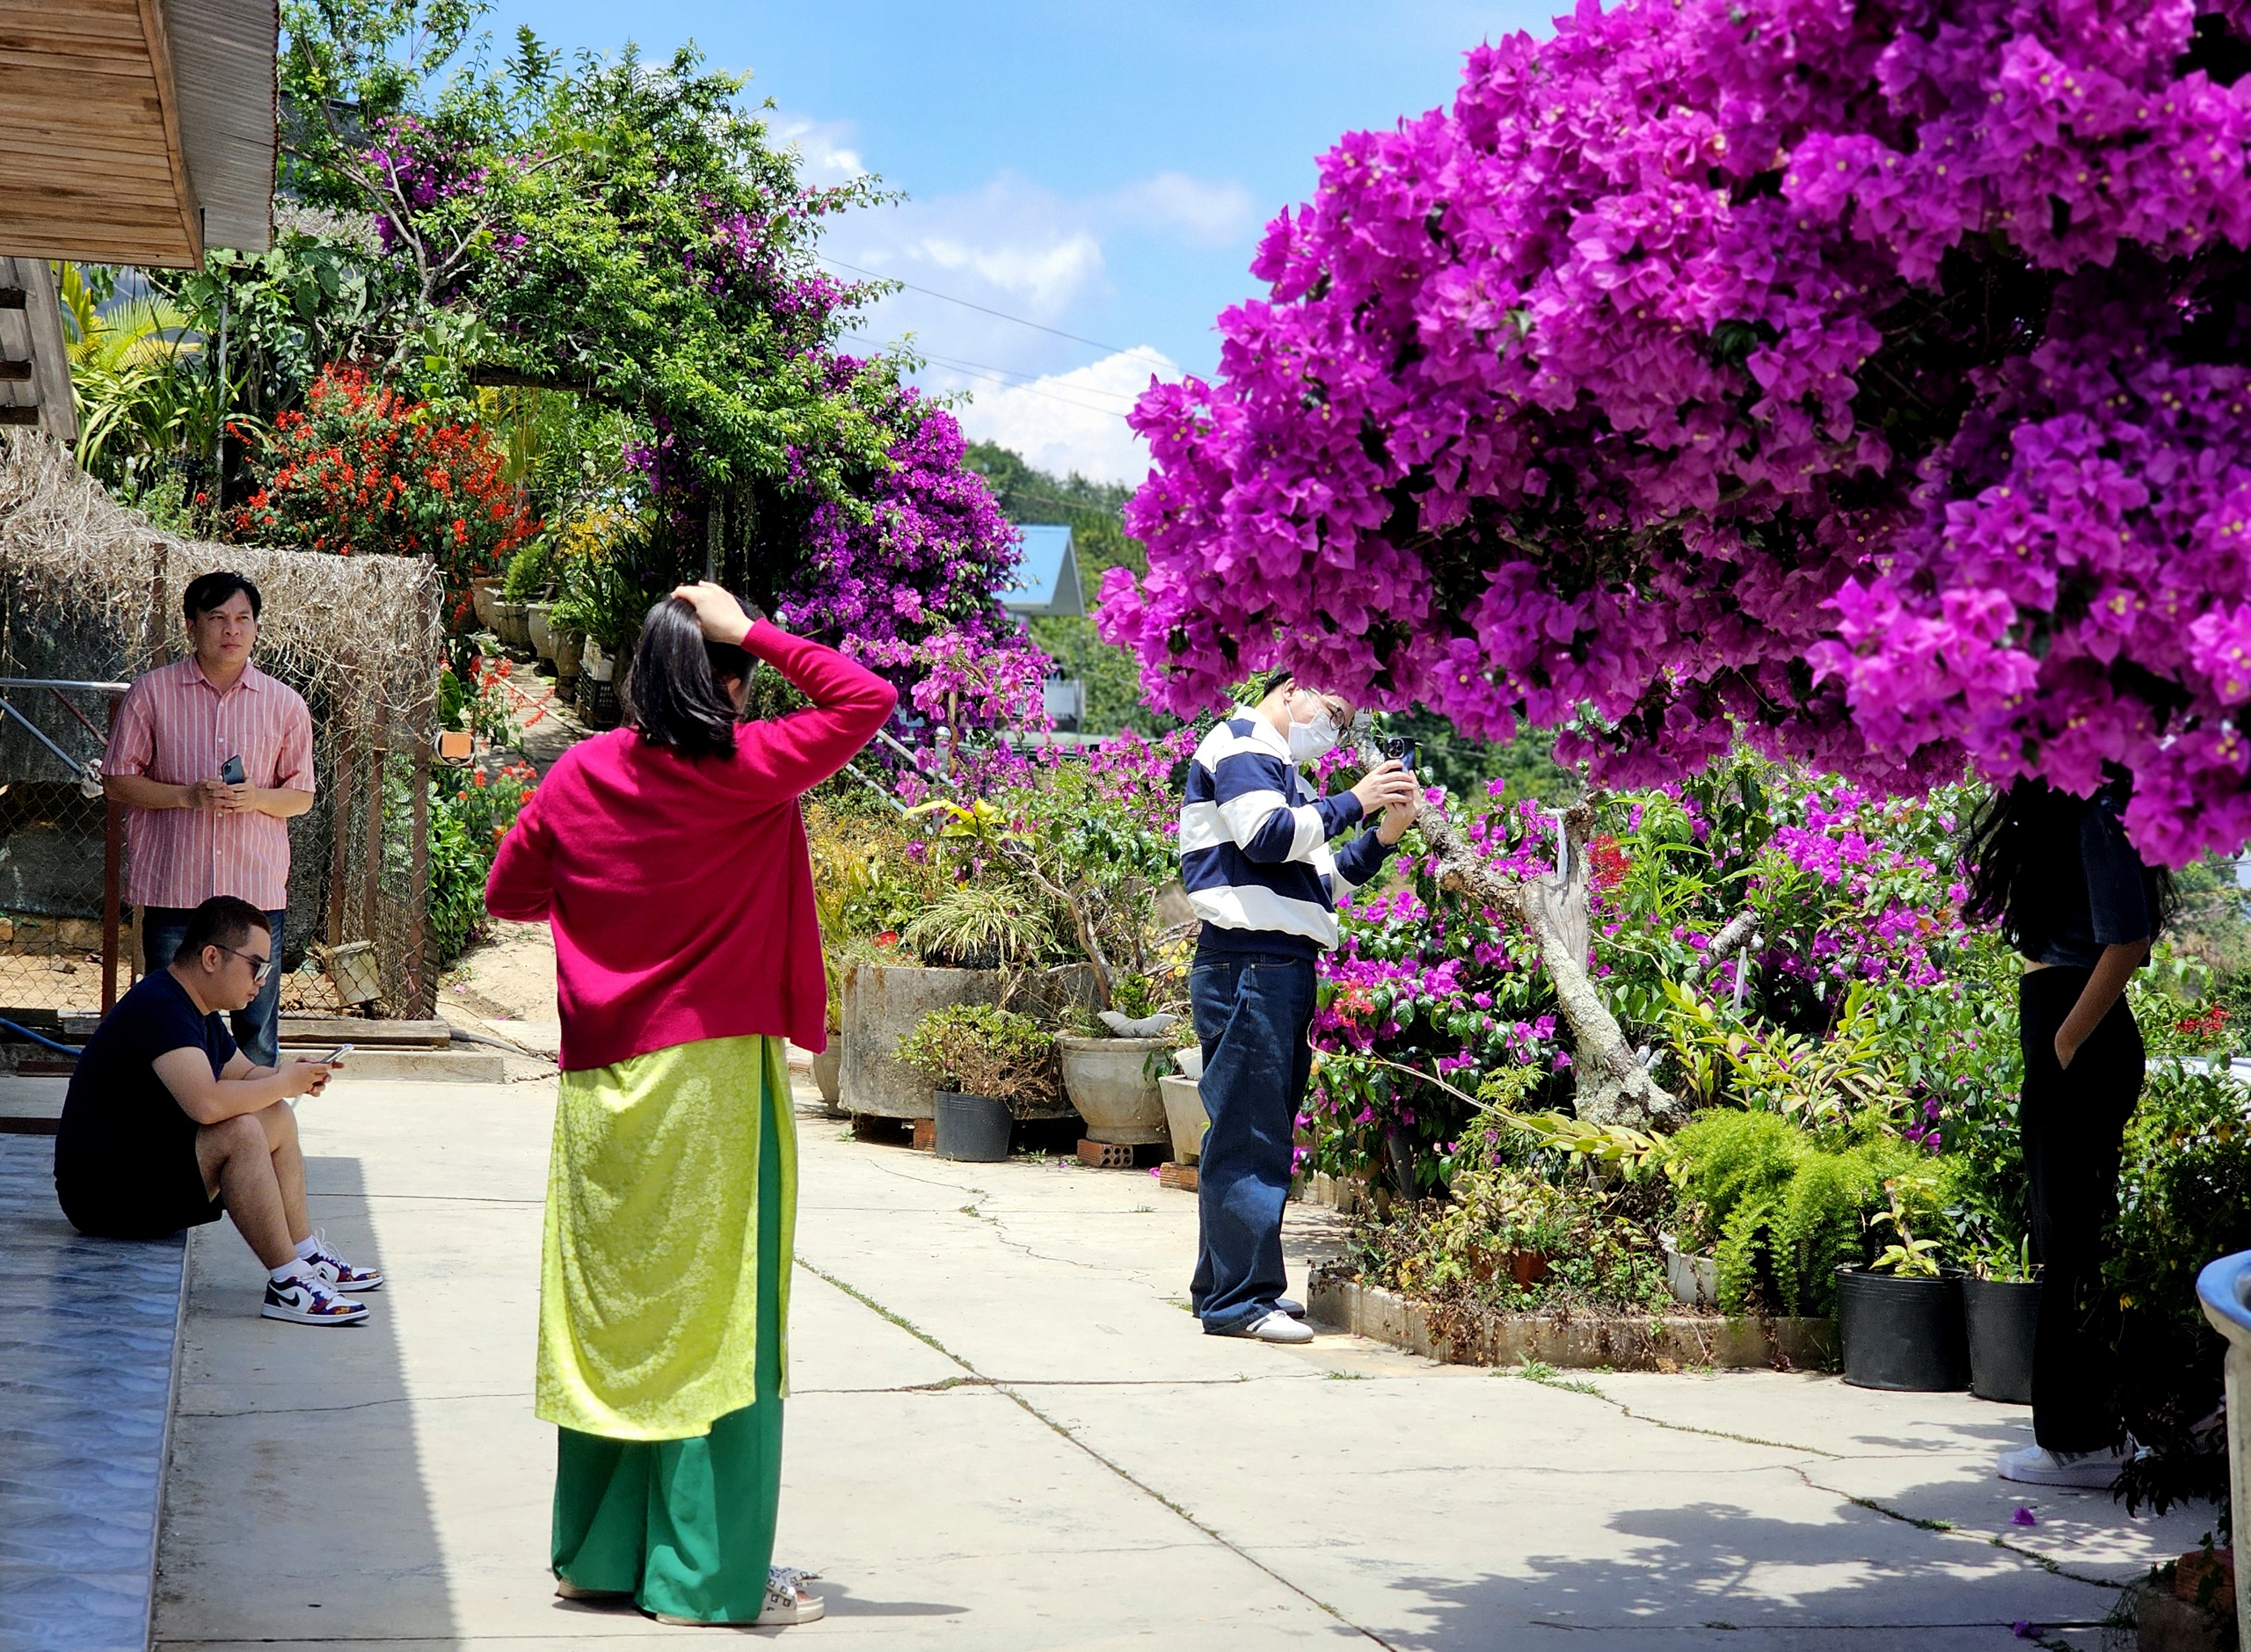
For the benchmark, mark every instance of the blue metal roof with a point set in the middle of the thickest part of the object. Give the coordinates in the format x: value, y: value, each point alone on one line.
x: 1045, y: 578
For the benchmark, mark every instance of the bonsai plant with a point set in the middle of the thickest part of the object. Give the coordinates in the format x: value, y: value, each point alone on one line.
x: 988, y: 1067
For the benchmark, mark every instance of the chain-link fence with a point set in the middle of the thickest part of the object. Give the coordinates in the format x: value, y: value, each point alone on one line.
x: 59, y: 853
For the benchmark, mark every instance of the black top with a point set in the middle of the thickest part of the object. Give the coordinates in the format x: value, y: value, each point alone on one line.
x: 2107, y: 904
x: 121, y: 1128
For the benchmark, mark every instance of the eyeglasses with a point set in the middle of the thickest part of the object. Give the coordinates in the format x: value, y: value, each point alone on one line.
x: 259, y: 967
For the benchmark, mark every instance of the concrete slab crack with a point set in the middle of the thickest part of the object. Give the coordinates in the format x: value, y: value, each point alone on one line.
x: 1064, y: 1431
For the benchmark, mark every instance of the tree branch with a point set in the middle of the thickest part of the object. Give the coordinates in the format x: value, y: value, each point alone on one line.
x: 1610, y: 1083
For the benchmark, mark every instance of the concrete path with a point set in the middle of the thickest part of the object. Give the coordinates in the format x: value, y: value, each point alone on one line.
x: 1007, y: 1433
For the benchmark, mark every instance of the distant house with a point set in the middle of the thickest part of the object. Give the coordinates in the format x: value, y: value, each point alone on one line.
x: 1045, y: 584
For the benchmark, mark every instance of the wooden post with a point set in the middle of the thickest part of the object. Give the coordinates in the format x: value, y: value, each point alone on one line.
x: 112, y: 867
x: 421, y: 993
x: 371, y: 892
x: 339, y: 791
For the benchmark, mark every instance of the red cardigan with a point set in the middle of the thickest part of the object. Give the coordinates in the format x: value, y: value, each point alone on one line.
x: 679, y: 890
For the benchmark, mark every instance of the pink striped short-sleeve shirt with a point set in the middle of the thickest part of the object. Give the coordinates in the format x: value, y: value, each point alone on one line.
x: 175, y: 727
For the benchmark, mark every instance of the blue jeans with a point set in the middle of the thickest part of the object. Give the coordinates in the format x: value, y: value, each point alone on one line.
x: 1252, y: 1011
x: 257, y: 1029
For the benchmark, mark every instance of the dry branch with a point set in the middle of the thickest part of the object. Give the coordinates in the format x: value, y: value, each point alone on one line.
x: 1612, y: 1086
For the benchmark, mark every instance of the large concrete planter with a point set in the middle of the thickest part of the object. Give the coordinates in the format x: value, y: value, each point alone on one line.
x: 1109, y: 1082
x: 1578, y: 1341
x: 569, y: 649
x: 882, y: 1004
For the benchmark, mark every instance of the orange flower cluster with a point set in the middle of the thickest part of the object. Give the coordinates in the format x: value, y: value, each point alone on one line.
x: 364, y: 470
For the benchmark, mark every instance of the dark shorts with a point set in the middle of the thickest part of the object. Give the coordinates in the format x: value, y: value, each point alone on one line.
x: 155, y: 1200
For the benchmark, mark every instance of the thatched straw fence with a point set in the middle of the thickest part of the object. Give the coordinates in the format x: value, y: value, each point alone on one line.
x: 90, y: 590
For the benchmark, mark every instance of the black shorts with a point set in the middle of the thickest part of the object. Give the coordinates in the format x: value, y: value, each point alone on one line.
x: 153, y: 1200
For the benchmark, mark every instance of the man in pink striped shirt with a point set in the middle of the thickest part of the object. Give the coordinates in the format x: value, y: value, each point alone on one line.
x: 190, y: 831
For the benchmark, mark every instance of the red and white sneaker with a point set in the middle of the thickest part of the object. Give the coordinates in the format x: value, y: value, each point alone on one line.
x: 339, y: 1272
x: 308, y: 1300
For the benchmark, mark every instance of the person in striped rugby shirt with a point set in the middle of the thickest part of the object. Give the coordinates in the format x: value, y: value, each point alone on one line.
x: 1256, y: 862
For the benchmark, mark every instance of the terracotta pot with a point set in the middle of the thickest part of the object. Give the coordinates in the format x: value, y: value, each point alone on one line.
x: 1524, y: 1269
x: 882, y: 1004
x: 1109, y: 1082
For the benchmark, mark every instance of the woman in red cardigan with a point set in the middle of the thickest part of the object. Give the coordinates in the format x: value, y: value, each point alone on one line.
x: 668, y: 856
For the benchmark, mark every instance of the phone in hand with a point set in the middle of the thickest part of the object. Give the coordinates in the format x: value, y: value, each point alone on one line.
x: 1404, y: 749
x: 231, y: 770
x: 335, y: 1056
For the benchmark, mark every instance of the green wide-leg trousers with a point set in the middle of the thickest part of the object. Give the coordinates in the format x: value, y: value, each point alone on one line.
x: 687, y: 1526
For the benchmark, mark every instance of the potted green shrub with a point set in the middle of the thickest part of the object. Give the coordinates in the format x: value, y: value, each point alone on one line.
x: 1900, y: 1317
x: 987, y: 1066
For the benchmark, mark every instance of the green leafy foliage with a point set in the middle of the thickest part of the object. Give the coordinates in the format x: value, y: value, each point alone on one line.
x: 982, y: 1049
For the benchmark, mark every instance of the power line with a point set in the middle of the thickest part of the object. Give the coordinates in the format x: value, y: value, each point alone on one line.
x: 1029, y: 379
x: 1115, y: 349
x: 1030, y: 389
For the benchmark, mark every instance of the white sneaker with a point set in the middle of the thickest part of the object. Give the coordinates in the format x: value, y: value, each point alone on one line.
x: 308, y: 1300
x: 1274, y: 1326
x: 340, y: 1273
x: 2087, y: 1471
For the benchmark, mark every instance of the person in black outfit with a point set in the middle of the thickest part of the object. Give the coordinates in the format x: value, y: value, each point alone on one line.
x: 167, y: 1122
x: 2071, y: 894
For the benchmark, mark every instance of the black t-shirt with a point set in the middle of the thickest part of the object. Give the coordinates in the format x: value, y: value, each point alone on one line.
x: 2108, y: 903
x: 123, y: 1134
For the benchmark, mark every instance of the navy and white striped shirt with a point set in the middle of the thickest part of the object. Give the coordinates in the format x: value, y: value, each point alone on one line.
x: 1254, y: 846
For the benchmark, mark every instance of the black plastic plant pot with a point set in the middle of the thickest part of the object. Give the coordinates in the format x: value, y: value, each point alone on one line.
x: 2002, y: 1317
x: 971, y: 1127
x: 1902, y: 1334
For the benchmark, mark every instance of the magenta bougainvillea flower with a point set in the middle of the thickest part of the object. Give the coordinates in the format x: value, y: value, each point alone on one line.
x: 1868, y: 378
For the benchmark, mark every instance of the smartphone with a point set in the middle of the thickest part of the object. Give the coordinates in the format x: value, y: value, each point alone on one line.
x: 1405, y: 748
x: 231, y: 770
x: 338, y: 1054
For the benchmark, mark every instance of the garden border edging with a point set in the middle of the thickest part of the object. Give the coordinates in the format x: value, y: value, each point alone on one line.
x: 1657, y: 1342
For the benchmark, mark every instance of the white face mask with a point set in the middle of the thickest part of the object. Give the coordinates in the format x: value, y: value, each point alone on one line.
x: 1309, y: 741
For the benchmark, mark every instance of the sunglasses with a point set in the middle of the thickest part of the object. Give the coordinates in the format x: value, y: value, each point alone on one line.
x: 259, y: 967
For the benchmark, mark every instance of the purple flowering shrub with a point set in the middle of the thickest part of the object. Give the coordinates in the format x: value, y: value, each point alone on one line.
x: 1849, y: 892
x: 1866, y: 381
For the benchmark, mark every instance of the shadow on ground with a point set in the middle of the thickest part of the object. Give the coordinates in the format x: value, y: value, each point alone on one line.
x: 297, y: 1507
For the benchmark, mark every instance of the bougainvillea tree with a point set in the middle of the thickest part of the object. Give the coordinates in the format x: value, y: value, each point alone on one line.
x: 1867, y: 378
x: 627, y: 232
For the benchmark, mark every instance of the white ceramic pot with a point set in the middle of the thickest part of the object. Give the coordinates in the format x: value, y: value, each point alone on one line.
x: 1695, y: 1280
x: 1185, y: 1116
x: 1189, y: 1061
x: 1109, y: 1082
x: 536, y: 628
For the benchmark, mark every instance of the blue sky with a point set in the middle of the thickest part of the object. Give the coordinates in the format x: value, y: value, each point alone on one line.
x: 1104, y: 170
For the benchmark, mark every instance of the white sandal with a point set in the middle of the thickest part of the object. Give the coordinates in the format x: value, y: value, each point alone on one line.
x: 786, y: 1603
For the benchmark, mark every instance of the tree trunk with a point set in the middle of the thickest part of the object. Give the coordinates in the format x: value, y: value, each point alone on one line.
x: 1611, y: 1086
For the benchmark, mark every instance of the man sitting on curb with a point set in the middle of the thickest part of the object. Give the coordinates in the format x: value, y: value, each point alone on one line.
x: 167, y: 1122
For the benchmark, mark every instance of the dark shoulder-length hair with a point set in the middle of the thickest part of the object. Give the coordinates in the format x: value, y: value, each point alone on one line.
x: 2023, y: 844
x: 672, y: 693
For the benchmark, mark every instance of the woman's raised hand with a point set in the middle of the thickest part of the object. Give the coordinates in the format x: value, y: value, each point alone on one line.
x: 717, y: 611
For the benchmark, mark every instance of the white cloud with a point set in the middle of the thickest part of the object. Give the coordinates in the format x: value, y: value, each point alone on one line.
x: 823, y: 146
x: 1011, y: 245
x: 1208, y: 214
x: 1065, y: 421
